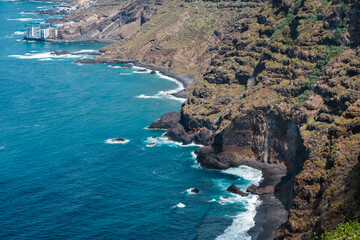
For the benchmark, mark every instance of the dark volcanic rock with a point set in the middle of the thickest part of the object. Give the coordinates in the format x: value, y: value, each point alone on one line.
x: 99, y: 61
x: 177, y: 133
x: 153, y: 137
x: 194, y: 190
x: 142, y: 70
x: 119, y: 139
x: 264, y: 190
x: 252, y: 189
x: 236, y: 190
x: 153, y: 72
x: 166, y: 121
x: 57, y: 53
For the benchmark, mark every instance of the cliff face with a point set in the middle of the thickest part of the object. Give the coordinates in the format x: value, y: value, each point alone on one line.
x: 277, y: 82
x: 285, y: 91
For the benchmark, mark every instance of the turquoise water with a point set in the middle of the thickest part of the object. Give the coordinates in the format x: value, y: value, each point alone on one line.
x: 59, y: 179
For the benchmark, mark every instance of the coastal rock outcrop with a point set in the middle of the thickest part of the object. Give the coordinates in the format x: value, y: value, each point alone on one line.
x: 166, y: 121
x: 234, y: 189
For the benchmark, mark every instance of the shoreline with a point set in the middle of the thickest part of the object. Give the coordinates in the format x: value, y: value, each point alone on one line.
x: 271, y: 213
x: 184, y: 79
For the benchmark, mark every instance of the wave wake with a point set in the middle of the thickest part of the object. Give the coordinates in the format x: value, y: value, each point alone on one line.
x: 163, y: 94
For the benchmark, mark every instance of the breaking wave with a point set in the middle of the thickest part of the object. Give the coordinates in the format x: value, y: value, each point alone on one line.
x: 159, y: 141
x: 114, y: 141
x: 46, y: 56
x: 163, y: 94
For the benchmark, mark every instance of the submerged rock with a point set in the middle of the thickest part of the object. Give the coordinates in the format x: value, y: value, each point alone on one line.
x: 119, y: 140
x: 194, y: 190
x: 236, y: 190
x: 57, y: 52
x: 151, y: 144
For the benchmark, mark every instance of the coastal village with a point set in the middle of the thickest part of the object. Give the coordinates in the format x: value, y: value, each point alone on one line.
x: 48, y: 32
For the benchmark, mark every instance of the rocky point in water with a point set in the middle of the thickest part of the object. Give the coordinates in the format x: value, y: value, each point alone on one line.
x: 234, y: 189
x: 194, y: 190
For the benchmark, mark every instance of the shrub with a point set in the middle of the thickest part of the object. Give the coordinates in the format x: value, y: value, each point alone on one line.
x: 344, y: 231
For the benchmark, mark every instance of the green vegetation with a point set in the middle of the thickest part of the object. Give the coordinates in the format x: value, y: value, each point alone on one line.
x: 331, y: 52
x: 305, y: 95
x: 314, y: 17
x: 346, y: 231
x: 323, y: 5
x: 286, y: 22
x: 338, y: 33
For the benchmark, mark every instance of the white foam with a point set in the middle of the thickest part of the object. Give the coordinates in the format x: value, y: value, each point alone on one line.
x: 163, y: 94
x: 189, y: 191
x: 85, y: 51
x: 165, y: 141
x: 23, y: 19
x: 243, y: 221
x: 141, y: 69
x: 212, y: 200
x: 45, y: 55
x: 246, y: 172
x: 27, y: 13
x: 113, y: 141
x: 19, y: 33
x: 2, y: 147
x: 195, y: 164
x: 180, y: 205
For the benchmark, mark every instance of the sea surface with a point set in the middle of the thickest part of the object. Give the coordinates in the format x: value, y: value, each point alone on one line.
x: 60, y: 176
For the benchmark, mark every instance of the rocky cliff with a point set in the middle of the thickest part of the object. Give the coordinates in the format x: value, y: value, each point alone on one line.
x: 277, y: 83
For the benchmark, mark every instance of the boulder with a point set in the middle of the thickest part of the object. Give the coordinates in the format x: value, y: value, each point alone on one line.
x: 265, y: 190
x: 119, y: 139
x: 194, y: 190
x: 236, y: 190
x: 166, y: 121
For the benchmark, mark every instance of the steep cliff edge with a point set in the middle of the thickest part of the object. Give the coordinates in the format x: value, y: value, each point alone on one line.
x: 285, y: 91
x: 277, y: 83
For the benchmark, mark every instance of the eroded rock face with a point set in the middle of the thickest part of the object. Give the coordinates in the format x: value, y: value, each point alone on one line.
x: 234, y: 189
x: 288, y: 97
x: 166, y: 121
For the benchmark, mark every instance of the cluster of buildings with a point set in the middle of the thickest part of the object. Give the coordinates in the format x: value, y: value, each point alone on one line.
x: 39, y: 31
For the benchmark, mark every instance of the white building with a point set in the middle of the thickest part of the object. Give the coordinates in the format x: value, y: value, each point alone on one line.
x: 45, y: 32
x: 33, y: 30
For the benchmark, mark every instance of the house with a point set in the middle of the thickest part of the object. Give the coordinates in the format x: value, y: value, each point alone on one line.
x: 41, y: 32
x: 53, y: 33
x: 33, y: 30
x: 44, y: 32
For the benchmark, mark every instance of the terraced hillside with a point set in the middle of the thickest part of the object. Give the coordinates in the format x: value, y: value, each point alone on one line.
x: 277, y: 82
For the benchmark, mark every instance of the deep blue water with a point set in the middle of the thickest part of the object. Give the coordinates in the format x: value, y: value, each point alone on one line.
x: 59, y: 179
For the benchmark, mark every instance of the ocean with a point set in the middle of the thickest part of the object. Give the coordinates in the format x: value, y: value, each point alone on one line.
x: 62, y: 178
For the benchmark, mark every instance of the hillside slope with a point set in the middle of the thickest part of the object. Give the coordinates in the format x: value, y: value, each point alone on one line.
x: 277, y: 82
